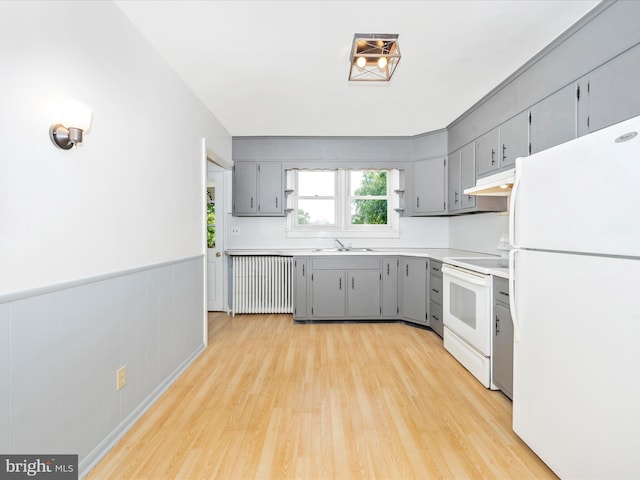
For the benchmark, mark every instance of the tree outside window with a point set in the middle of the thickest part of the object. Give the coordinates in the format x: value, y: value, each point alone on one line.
x: 211, y: 219
x: 369, y: 194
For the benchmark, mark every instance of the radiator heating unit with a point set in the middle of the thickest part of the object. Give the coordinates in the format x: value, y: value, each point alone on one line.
x: 261, y: 284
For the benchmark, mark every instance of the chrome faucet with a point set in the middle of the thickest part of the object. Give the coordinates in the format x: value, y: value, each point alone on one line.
x: 342, y: 247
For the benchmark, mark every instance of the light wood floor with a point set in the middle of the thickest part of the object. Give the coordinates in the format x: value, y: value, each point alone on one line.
x: 270, y: 399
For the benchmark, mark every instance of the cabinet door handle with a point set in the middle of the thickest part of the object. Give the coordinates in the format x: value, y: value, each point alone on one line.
x: 434, y: 290
x: 340, y: 283
x: 493, y: 156
x: 387, y: 269
x: 353, y: 283
x: 506, y: 294
x: 497, y: 325
x: 504, y: 152
x: 435, y: 318
x: 407, y: 268
x: 456, y: 197
x: 417, y: 202
x: 251, y: 202
x: 303, y: 269
x: 276, y: 202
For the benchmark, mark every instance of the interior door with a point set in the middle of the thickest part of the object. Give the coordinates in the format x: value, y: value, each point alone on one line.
x: 215, y: 243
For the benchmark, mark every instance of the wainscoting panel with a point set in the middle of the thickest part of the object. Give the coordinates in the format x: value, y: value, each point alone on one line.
x: 60, y: 348
x: 5, y: 358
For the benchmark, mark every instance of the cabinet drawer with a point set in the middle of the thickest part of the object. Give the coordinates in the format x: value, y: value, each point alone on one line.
x: 501, y: 290
x: 436, y: 267
x: 435, y: 288
x: 435, y: 318
x: 346, y: 262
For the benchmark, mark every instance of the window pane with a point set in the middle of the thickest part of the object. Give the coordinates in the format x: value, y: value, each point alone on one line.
x: 316, y: 212
x: 311, y: 184
x: 369, y: 212
x: 368, y: 182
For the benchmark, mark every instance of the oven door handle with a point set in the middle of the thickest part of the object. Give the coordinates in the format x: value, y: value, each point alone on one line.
x: 482, y: 280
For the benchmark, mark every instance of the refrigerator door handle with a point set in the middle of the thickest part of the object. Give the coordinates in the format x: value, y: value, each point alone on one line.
x: 512, y: 211
x: 512, y: 294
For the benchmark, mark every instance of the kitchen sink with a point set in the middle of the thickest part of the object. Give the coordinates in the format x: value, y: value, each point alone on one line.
x: 342, y: 250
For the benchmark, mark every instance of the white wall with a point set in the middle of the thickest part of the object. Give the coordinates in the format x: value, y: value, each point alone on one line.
x: 479, y: 232
x: 132, y: 194
x: 270, y: 233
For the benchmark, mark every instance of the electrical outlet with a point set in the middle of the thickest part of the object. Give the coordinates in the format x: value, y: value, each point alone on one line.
x: 121, y: 377
x: 235, y: 231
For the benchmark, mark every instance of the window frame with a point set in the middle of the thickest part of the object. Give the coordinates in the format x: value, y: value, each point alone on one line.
x: 344, y: 227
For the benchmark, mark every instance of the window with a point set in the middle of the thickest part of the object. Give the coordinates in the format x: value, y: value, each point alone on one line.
x: 339, y: 202
x: 211, y: 218
x: 368, y: 197
x: 316, y: 198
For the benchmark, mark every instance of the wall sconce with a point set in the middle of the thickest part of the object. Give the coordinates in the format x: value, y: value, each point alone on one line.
x: 374, y: 56
x: 76, y: 119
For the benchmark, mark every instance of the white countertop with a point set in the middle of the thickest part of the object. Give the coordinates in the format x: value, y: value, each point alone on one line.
x: 441, y: 254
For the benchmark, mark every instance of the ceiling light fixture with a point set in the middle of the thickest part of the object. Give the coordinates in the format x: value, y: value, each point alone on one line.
x: 374, y: 57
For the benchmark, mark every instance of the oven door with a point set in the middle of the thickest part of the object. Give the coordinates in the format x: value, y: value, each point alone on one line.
x: 467, y: 306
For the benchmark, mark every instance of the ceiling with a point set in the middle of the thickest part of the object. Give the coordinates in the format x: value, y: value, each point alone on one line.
x: 280, y: 67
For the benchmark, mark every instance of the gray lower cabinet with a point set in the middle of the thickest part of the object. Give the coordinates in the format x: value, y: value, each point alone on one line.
x: 300, y: 270
x: 435, y: 297
x: 363, y: 294
x: 328, y: 294
x: 414, y: 275
x: 345, y: 287
x: 390, y: 305
x: 502, y: 355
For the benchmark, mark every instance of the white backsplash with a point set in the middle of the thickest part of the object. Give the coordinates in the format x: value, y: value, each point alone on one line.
x: 270, y: 233
x: 476, y: 233
x: 479, y: 232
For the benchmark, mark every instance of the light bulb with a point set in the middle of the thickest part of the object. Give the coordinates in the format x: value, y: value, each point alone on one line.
x: 382, y: 62
x: 361, y: 62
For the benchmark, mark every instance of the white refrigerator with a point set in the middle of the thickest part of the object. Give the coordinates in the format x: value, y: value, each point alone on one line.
x: 575, y: 282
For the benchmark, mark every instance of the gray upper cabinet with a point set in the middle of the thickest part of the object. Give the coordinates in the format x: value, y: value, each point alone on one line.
x: 462, y: 175
x: 428, y: 187
x: 499, y: 148
x: 467, y: 175
x: 270, y: 188
x: 245, y: 188
x: 258, y: 189
x: 514, y: 139
x: 487, y: 160
x: 609, y: 94
x: 553, y: 120
x: 455, y: 189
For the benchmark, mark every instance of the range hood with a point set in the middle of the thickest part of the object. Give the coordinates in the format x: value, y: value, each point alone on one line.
x: 498, y: 185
